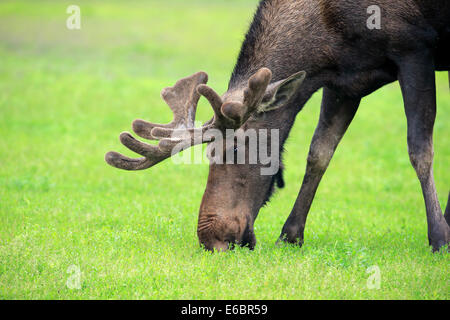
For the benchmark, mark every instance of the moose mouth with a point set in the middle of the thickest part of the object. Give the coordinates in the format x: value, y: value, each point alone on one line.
x: 222, y: 233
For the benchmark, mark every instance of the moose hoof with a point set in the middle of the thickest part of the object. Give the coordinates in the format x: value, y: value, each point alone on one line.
x: 438, y: 245
x: 291, y: 233
x: 440, y: 239
x: 284, y: 238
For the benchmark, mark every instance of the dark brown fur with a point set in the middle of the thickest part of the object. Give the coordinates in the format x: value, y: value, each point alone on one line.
x: 330, y: 41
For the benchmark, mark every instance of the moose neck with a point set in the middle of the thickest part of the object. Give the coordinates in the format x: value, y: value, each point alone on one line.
x: 286, y: 37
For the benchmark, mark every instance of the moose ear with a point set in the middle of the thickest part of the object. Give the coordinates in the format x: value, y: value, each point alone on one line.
x: 280, y: 92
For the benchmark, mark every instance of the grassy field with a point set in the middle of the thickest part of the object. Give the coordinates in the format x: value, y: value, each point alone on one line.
x: 65, y: 95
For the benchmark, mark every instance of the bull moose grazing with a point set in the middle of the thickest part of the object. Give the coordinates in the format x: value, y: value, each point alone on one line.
x: 292, y: 49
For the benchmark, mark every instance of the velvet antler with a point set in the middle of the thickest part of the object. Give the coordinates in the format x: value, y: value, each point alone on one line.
x: 180, y: 134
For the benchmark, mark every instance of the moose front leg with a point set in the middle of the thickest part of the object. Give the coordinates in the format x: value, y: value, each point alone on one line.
x: 417, y: 81
x: 335, y: 116
x: 447, y: 211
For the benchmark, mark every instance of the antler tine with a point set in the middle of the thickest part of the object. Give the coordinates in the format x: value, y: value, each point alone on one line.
x: 214, y: 99
x: 120, y: 161
x: 215, y: 102
x: 226, y: 115
x: 176, y: 136
x: 257, y: 85
x: 182, y: 99
x: 180, y: 134
x: 152, y: 154
x: 183, y: 134
x: 253, y: 95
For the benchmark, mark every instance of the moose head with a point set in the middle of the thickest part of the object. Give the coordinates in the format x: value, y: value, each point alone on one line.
x: 235, y: 191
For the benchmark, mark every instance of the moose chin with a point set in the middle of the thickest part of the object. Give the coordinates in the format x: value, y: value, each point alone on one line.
x: 292, y: 49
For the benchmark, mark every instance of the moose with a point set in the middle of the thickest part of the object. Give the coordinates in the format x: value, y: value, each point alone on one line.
x: 292, y: 49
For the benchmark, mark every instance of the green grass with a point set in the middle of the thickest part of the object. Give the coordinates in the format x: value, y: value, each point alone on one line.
x: 66, y: 95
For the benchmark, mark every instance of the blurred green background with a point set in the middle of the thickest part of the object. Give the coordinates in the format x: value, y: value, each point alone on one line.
x: 65, y: 95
